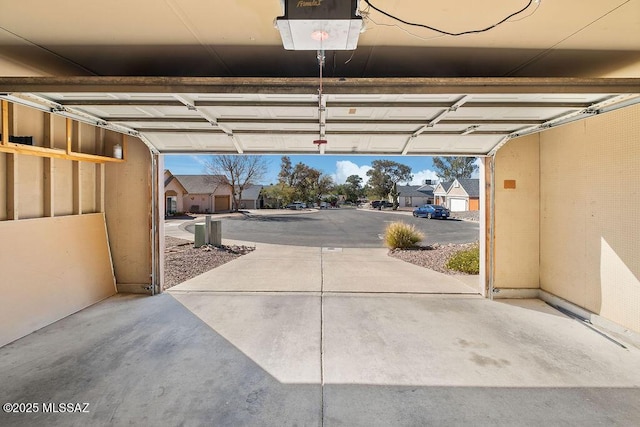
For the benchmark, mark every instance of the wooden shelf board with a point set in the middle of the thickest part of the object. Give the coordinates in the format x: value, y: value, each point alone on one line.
x: 31, y: 150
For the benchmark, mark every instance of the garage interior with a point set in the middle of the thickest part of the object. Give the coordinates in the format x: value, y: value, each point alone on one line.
x: 549, y: 102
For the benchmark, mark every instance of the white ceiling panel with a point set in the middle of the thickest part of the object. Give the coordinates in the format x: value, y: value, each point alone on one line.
x: 350, y: 113
x: 178, y: 142
x: 267, y: 127
x: 508, y: 113
x: 411, y: 113
x: 175, y: 125
x: 336, y: 126
x: 362, y: 119
x: 473, y: 144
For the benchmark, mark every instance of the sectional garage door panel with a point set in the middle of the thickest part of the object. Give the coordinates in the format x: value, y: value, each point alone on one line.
x: 458, y: 205
x: 222, y: 203
x: 387, y: 116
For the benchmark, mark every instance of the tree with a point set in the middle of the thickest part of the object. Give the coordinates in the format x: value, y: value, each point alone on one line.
x: 309, y: 183
x: 237, y: 172
x: 353, y: 188
x: 450, y: 168
x: 281, y: 194
x: 302, y: 182
x: 395, y: 194
x: 286, y: 171
x: 384, y: 173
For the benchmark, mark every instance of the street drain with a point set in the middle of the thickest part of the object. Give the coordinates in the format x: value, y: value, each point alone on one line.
x: 331, y: 249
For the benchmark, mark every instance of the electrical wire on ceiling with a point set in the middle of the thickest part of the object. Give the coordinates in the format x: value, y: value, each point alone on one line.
x: 537, y: 3
x: 448, y: 33
x: 366, y: 15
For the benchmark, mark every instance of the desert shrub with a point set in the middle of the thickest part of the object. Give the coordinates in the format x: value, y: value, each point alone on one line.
x: 466, y: 261
x: 399, y: 235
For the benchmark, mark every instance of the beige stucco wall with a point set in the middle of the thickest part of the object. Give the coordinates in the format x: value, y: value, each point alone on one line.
x: 457, y: 192
x: 589, y: 226
x: 177, y: 188
x: 51, y: 268
x: 439, y: 191
x: 204, y: 201
x: 128, y: 212
x: 414, y: 201
x: 517, y: 224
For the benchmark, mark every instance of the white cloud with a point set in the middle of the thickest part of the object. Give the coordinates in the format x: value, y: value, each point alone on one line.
x: 199, y: 159
x: 419, y: 177
x: 346, y: 168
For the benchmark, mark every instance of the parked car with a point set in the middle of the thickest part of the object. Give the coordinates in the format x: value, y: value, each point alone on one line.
x: 296, y: 205
x: 432, y: 211
x: 377, y: 204
x: 324, y: 205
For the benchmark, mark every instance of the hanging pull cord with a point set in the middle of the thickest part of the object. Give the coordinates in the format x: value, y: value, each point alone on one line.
x: 320, y: 106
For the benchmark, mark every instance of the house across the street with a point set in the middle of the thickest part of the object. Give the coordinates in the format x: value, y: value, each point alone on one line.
x: 252, y: 197
x: 440, y: 192
x: 415, y: 195
x: 459, y: 195
x: 196, y: 193
x: 464, y: 195
x: 205, y: 194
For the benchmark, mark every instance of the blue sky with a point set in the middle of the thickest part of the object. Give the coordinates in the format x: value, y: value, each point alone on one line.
x: 339, y: 167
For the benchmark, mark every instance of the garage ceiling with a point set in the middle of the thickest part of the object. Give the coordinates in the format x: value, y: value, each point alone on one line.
x: 229, y: 86
x: 225, y: 38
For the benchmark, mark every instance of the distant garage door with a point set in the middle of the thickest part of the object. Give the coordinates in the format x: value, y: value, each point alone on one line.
x: 458, y: 205
x: 222, y: 203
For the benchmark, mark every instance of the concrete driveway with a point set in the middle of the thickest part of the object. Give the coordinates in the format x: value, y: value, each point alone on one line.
x: 297, y: 341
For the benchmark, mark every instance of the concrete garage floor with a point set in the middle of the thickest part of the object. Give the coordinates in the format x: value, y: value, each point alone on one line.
x: 318, y: 350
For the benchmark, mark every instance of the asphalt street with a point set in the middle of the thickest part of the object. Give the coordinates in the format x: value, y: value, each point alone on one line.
x: 345, y: 228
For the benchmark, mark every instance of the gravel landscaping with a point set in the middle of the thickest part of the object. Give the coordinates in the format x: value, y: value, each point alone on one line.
x: 466, y: 215
x: 434, y: 257
x: 182, y: 261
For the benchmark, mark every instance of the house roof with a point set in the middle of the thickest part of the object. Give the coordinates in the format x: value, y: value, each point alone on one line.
x: 170, y: 177
x: 471, y: 186
x: 446, y: 185
x: 426, y: 189
x: 415, y: 190
x: 252, y: 192
x: 200, y: 184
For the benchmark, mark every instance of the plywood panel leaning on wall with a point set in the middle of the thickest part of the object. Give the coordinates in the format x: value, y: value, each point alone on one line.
x: 51, y: 268
x: 128, y: 212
